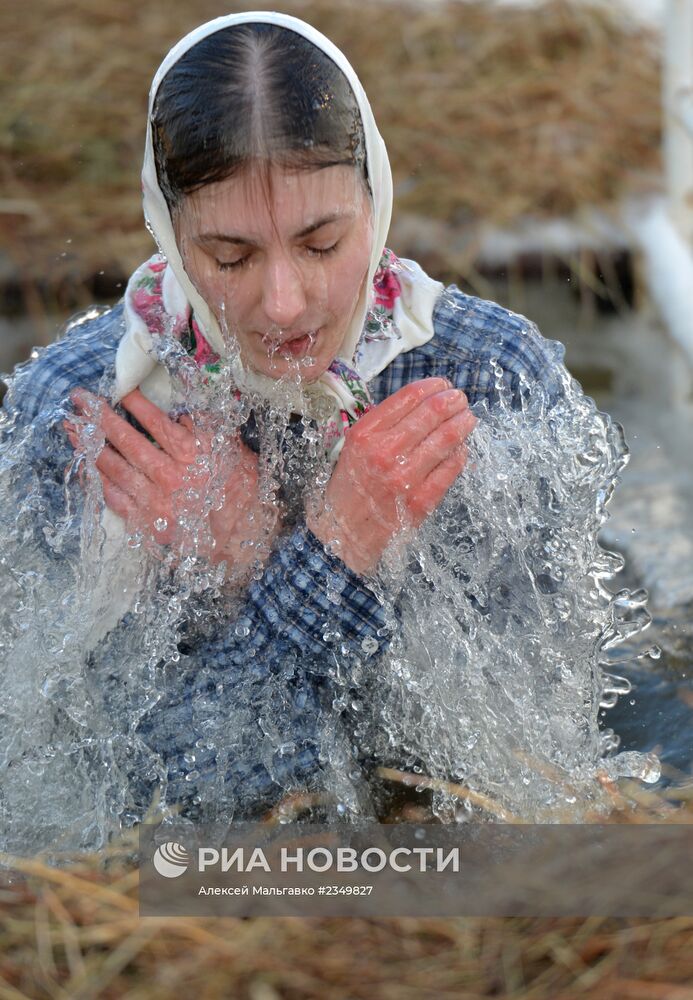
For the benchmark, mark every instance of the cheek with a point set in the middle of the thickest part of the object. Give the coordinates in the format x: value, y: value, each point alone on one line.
x: 351, y: 272
x: 221, y: 293
x: 362, y: 258
x: 198, y: 271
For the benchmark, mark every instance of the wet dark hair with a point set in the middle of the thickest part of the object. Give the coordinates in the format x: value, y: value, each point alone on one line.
x: 252, y: 92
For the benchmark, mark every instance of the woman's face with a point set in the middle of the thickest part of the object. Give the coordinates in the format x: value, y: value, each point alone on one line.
x: 280, y: 256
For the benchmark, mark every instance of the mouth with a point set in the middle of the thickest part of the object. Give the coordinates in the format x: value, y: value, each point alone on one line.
x: 295, y: 345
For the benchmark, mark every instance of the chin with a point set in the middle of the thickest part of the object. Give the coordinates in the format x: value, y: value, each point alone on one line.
x: 283, y: 366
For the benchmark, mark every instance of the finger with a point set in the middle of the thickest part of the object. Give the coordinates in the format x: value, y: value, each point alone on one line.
x: 125, y: 476
x: 200, y: 438
x: 132, y: 445
x: 438, y: 446
x: 425, y: 418
x: 429, y: 495
x: 118, y: 501
x: 72, y: 435
x: 174, y: 437
x: 388, y: 413
x: 234, y: 450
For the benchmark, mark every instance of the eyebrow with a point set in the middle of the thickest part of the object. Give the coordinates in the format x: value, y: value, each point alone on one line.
x: 244, y: 241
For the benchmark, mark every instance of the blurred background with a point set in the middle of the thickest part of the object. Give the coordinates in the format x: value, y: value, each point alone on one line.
x: 543, y: 157
x: 516, y: 134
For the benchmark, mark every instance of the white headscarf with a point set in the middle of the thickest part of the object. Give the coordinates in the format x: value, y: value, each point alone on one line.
x: 135, y: 361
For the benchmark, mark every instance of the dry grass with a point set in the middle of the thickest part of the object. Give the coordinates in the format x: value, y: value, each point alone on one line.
x: 488, y: 115
x: 65, y: 940
x: 74, y: 933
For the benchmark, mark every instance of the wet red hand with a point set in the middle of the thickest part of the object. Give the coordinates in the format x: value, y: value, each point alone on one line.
x: 396, y: 466
x: 164, y: 490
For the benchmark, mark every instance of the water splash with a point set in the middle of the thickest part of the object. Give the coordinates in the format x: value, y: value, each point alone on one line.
x: 502, y: 622
x: 497, y: 673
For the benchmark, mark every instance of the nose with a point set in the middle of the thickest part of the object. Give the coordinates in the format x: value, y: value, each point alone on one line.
x: 283, y: 292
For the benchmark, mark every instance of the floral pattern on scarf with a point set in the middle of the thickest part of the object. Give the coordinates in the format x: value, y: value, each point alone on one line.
x: 379, y: 324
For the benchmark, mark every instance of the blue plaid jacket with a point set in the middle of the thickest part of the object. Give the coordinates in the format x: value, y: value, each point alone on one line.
x: 280, y: 644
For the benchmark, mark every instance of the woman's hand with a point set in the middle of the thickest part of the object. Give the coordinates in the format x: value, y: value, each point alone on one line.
x: 397, y: 463
x: 155, y: 489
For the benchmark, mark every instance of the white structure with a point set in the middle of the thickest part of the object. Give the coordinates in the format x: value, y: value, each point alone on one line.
x: 678, y: 111
x: 646, y: 11
x: 665, y: 234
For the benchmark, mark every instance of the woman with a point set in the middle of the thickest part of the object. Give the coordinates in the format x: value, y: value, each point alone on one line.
x: 277, y: 406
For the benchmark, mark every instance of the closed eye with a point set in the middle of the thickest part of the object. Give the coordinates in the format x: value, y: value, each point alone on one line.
x: 243, y: 261
x: 322, y: 252
x: 234, y: 263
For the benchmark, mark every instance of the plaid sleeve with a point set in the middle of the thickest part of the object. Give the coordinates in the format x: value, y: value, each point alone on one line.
x: 315, y: 600
x: 474, y: 342
x: 41, y: 385
x: 273, y: 663
x: 37, y: 450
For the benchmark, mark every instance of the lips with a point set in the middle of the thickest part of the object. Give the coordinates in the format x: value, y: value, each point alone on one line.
x: 295, y: 344
x: 297, y: 336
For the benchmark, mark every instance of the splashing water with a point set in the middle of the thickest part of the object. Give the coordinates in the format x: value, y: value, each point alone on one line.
x: 495, y: 678
x: 502, y: 624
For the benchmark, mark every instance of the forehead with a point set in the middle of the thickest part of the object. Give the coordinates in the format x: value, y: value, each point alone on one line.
x: 286, y: 198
